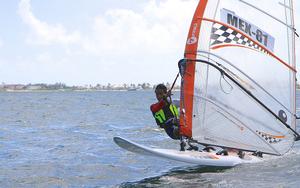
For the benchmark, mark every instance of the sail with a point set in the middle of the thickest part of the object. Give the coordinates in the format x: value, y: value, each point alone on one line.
x: 239, y: 76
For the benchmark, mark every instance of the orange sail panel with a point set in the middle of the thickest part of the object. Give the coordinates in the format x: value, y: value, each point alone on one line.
x: 186, y: 105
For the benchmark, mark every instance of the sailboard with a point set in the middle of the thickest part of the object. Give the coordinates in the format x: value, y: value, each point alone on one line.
x: 192, y: 157
x: 239, y: 76
x: 238, y: 81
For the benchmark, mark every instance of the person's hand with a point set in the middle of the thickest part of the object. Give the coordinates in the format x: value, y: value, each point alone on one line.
x: 169, y: 93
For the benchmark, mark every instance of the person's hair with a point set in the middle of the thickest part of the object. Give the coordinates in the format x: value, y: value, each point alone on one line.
x: 162, y: 87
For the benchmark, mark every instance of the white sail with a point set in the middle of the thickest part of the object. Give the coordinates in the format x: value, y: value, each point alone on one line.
x: 244, y: 80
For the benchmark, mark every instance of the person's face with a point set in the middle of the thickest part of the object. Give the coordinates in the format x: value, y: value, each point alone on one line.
x: 160, y: 93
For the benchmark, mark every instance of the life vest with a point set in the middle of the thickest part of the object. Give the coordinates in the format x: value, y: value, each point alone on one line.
x: 161, y: 117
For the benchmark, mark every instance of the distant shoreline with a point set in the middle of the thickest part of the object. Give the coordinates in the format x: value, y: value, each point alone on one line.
x: 70, y: 90
x: 85, y: 90
x: 63, y: 87
x: 60, y: 87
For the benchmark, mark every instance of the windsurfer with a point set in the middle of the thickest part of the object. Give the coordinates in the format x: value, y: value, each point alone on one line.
x: 165, y: 113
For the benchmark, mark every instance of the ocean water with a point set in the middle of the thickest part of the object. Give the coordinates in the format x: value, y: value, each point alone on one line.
x: 64, y: 139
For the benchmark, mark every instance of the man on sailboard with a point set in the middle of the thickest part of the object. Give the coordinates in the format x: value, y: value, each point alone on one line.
x: 165, y: 113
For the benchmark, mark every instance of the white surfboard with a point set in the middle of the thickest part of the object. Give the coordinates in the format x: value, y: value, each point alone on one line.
x: 193, y: 157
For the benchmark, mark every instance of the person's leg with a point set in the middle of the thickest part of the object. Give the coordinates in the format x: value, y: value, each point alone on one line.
x: 176, y: 134
x: 172, y: 131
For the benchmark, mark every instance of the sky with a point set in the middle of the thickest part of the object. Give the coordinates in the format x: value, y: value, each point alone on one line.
x: 80, y: 42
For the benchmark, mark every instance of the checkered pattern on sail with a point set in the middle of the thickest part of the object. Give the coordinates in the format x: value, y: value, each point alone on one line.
x: 269, y: 138
x: 222, y: 34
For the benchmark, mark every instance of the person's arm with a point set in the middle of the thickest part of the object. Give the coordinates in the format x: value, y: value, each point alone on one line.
x: 157, y: 106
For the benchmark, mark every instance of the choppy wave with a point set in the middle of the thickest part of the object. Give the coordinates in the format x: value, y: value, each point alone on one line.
x: 64, y: 139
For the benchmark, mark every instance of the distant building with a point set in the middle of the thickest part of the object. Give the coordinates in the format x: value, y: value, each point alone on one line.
x: 13, y: 87
x: 34, y: 87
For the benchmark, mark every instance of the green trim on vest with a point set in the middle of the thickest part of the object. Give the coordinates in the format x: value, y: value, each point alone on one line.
x: 160, y: 115
x: 174, y: 110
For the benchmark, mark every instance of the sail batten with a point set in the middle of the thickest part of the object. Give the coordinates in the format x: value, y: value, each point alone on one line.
x: 232, y: 100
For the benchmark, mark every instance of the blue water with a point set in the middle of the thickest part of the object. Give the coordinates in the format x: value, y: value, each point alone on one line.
x: 64, y: 139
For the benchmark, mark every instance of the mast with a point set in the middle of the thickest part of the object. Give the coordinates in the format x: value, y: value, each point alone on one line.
x: 187, y: 91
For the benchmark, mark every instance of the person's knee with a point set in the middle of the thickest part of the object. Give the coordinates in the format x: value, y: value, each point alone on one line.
x: 176, y: 135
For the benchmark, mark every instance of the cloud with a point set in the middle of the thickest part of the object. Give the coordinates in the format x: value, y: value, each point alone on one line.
x: 157, y: 28
x: 135, y: 45
x: 44, y: 33
x: 117, y: 41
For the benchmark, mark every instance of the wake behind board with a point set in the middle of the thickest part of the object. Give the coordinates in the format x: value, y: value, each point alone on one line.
x: 193, y: 157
